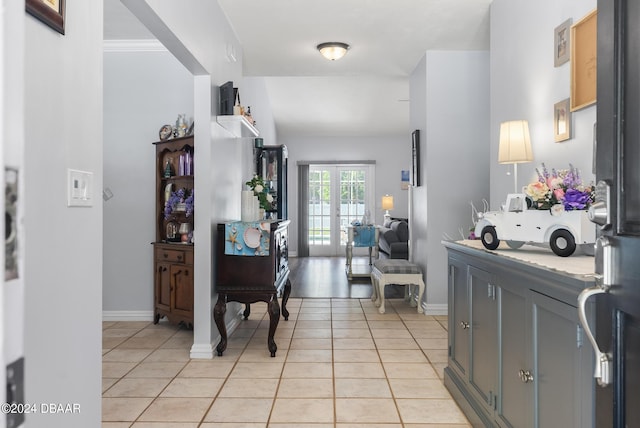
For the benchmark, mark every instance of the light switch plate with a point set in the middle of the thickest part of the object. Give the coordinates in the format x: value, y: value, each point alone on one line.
x: 79, y: 188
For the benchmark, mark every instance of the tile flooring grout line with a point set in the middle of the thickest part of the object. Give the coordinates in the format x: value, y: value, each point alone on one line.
x: 284, y: 362
x: 153, y: 399
x: 235, y: 363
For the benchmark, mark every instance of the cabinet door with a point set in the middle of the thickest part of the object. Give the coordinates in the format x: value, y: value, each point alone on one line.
x: 458, y: 318
x: 559, y: 357
x: 182, y: 277
x: 483, y: 363
x: 163, y: 286
x: 516, y: 393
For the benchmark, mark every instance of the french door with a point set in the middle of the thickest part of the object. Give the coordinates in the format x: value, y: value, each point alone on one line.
x: 338, y: 195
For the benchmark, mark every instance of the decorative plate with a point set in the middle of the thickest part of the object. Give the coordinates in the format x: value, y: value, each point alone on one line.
x: 165, y: 132
x: 252, y: 237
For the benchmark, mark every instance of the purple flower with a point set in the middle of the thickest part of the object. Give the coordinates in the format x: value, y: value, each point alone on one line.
x: 575, y: 199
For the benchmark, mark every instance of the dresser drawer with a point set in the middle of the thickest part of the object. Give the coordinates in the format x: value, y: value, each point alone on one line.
x: 174, y: 255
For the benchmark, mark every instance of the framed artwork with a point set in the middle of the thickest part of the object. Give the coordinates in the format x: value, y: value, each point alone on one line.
x: 561, y: 121
x: 584, y: 61
x: 404, y: 179
x: 415, y: 156
x: 561, y: 43
x: 51, y: 12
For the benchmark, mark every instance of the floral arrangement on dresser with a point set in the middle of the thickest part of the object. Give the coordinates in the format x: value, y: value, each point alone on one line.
x: 259, y: 189
x: 559, y: 190
x: 180, y: 200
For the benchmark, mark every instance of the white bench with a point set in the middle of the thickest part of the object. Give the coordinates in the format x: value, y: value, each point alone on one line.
x: 399, y: 272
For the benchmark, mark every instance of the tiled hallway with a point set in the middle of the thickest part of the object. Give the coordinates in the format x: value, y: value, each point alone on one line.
x: 340, y: 364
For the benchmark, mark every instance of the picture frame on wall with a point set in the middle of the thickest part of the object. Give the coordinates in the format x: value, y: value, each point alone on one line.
x: 561, y: 121
x: 584, y: 61
x: 561, y: 43
x: 50, y: 12
x: 415, y: 156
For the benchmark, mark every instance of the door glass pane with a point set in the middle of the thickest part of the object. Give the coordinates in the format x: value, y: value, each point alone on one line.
x: 352, y: 199
x: 319, y: 207
x: 630, y: 151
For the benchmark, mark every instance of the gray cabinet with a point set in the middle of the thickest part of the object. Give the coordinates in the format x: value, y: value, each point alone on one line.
x: 483, y: 340
x: 517, y: 357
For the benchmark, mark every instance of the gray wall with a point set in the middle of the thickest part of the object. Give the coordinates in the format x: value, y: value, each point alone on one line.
x: 391, y: 155
x: 525, y: 85
x: 63, y: 263
x: 449, y: 104
x: 143, y: 90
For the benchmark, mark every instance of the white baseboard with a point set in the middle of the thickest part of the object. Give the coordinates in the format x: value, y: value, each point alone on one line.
x: 202, y: 351
x: 127, y: 315
x: 435, y: 309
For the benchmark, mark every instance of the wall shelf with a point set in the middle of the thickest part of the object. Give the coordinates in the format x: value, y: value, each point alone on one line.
x: 238, y: 126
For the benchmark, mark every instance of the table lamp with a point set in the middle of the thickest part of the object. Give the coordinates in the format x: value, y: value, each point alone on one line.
x: 387, y: 204
x: 184, y: 230
x: 515, y: 146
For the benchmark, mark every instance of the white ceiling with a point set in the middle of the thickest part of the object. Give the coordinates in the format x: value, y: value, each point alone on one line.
x: 366, y: 92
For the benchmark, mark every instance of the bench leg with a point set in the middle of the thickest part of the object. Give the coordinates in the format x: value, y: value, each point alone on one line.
x: 381, y: 283
x: 421, y: 288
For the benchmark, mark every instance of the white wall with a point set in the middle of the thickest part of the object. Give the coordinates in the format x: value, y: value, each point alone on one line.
x: 63, y: 263
x: 143, y: 90
x: 199, y: 36
x: 449, y: 104
x: 525, y: 85
x: 391, y: 155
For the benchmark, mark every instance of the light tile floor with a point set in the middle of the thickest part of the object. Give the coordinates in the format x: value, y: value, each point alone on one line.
x: 339, y: 364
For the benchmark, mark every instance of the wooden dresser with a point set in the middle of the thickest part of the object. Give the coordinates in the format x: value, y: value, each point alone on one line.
x: 249, y: 279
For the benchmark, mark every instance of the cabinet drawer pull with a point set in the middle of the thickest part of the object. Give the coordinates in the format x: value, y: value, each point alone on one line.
x: 525, y: 376
x: 464, y: 325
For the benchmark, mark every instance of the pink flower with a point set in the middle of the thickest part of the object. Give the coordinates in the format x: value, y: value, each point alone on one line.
x: 559, y: 194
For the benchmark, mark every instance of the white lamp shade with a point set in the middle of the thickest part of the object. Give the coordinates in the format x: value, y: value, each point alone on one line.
x: 387, y: 202
x: 515, y: 142
x: 333, y: 50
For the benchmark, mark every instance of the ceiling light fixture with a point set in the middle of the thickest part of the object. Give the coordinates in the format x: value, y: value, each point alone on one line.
x: 333, y: 50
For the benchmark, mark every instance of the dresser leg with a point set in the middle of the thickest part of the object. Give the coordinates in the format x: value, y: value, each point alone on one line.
x: 218, y: 316
x: 247, y: 311
x: 274, y: 318
x: 285, y: 299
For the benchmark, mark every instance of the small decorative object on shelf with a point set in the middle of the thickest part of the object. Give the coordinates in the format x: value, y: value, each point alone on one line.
x: 181, y: 126
x: 172, y: 232
x: 185, y: 231
x: 238, y: 110
x: 247, y: 115
x: 165, y: 132
x: 180, y: 201
x: 168, y: 171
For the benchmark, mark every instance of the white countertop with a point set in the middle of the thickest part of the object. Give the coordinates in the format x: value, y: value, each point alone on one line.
x: 576, y: 264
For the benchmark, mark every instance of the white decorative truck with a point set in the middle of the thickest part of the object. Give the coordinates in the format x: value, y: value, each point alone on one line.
x: 516, y: 224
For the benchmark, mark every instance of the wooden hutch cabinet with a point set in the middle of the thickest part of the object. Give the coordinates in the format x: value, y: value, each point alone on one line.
x: 173, y: 247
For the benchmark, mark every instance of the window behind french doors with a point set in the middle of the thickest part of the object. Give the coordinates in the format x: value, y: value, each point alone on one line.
x: 338, y: 195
